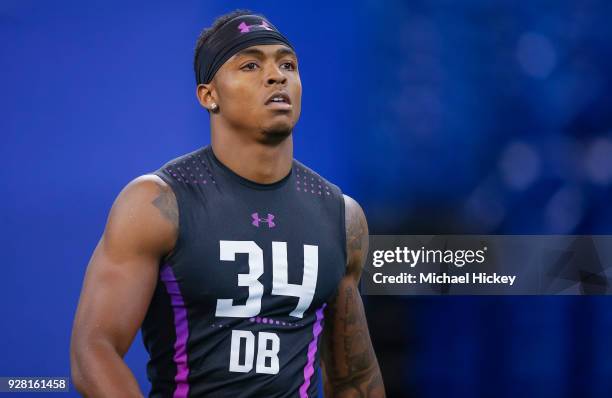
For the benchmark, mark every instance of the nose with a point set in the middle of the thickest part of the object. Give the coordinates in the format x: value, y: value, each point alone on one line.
x: 275, y: 76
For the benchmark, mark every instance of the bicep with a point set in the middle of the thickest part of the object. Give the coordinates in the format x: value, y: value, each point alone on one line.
x: 123, y: 270
x: 114, y: 298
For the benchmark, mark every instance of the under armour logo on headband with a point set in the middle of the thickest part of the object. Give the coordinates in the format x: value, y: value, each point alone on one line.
x: 268, y: 220
x: 244, y: 28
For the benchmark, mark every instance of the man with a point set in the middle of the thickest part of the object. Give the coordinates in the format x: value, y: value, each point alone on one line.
x: 240, y: 264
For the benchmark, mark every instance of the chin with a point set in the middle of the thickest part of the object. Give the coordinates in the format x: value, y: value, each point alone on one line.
x: 278, y: 130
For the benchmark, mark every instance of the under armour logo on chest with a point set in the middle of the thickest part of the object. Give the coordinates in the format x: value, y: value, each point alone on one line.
x: 257, y: 220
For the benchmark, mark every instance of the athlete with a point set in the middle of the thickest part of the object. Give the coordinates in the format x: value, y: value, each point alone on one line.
x: 239, y: 263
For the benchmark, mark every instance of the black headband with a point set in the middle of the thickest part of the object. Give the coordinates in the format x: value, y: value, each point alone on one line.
x: 235, y: 35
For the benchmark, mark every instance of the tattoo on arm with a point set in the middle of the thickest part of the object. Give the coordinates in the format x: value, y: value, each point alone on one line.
x: 349, y: 357
x: 351, y: 367
x: 166, y: 203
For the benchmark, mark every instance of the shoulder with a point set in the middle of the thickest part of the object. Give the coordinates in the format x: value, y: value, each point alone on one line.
x: 144, y: 185
x: 354, y: 213
x: 356, y: 236
x: 143, y: 190
x: 144, y: 215
x: 150, y: 189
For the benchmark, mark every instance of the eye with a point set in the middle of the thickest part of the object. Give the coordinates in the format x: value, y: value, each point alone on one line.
x: 250, y: 66
x: 288, y: 65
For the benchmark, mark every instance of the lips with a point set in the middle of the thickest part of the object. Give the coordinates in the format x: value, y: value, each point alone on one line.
x: 278, y: 97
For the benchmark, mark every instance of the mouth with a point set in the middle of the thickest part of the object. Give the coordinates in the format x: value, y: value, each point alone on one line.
x: 279, y: 100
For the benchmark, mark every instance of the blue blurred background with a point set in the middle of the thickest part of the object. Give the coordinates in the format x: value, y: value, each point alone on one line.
x: 437, y: 116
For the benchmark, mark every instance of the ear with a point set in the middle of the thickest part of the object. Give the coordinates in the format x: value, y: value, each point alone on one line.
x: 206, y: 95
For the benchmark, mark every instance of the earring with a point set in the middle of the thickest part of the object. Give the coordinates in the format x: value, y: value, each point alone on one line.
x: 214, y: 106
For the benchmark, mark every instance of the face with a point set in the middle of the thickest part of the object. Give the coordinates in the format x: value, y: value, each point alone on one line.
x: 258, y: 89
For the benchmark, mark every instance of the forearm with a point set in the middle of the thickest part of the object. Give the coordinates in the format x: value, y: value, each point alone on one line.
x: 367, y: 383
x: 351, y: 368
x: 99, y: 371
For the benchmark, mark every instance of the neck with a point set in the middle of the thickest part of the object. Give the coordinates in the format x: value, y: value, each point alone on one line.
x: 251, y: 155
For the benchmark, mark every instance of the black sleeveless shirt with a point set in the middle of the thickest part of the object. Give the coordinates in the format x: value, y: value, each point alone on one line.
x: 238, y: 310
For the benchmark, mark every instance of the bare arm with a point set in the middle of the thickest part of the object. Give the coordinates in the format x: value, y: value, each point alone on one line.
x: 118, y: 286
x: 350, y: 368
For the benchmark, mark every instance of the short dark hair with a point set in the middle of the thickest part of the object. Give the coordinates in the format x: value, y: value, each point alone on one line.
x: 217, y: 24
